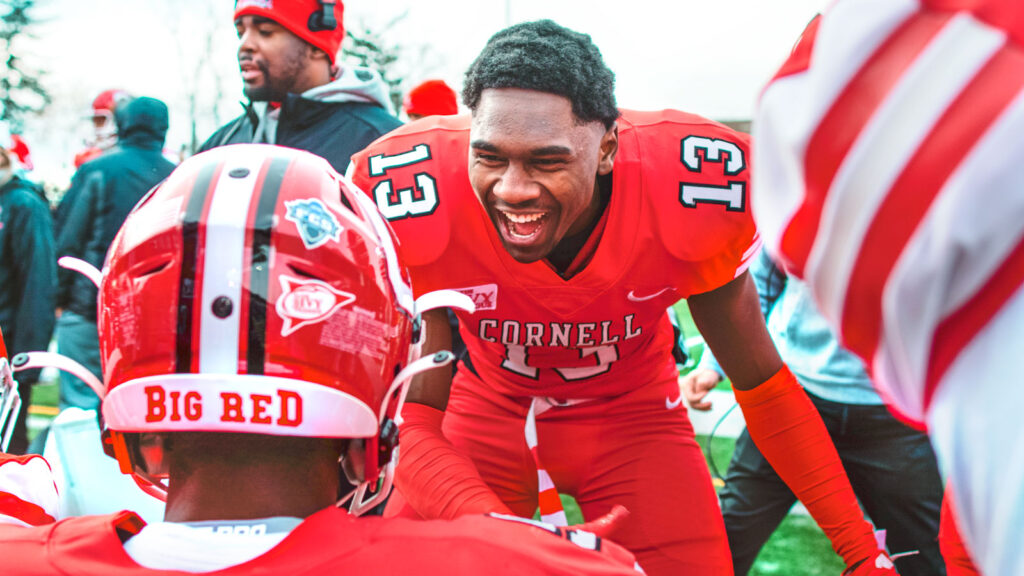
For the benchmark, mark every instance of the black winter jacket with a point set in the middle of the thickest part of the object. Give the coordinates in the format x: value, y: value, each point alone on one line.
x: 332, y: 130
x: 105, y: 190
x: 28, y: 270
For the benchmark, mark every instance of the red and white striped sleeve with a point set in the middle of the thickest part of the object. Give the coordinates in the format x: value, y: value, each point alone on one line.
x: 28, y: 494
x: 888, y: 170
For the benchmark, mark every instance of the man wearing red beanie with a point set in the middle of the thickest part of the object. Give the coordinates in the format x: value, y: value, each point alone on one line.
x: 430, y: 98
x: 299, y: 96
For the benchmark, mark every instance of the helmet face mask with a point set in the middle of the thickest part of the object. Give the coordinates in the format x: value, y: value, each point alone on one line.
x: 10, y: 402
x: 104, y: 133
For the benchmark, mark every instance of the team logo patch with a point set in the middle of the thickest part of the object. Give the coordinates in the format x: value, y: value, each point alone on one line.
x: 307, y: 301
x: 315, y: 222
x: 485, y: 296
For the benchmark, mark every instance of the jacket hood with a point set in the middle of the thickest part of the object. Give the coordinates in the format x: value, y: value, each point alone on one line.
x: 354, y: 84
x: 142, y: 121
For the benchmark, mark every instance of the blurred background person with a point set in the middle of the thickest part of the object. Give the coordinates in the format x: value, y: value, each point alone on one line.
x: 103, y: 138
x: 102, y: 193
x: 430, y: 98
x: 28, y: 269
x: 299, y: 95
x: 891, y: 466
x: 104, y: 125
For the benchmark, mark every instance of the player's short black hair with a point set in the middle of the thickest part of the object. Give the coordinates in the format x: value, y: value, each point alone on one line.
x: 546, y: 57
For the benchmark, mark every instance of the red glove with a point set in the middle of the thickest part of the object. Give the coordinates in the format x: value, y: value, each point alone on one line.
x: 606, y: 525
x: 788, y: 430
x: 437, y: 480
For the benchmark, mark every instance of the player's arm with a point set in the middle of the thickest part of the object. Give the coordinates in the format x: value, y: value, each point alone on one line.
x: 28, y: 495
x: 782, y: 421
x: 437, y: 480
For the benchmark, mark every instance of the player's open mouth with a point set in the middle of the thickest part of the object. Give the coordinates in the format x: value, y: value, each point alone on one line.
x: 522, y: 227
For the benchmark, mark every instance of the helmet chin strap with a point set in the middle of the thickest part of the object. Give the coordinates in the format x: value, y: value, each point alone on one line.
x: 361, y: 502
x: 444, y: 298
x: 29, y: 360
x: 82, y: 267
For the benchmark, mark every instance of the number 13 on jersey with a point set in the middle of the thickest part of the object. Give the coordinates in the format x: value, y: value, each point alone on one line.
x: 397, y: 203
x: 732, y: 195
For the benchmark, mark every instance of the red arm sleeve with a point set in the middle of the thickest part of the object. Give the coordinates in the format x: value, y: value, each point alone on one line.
x: 787, y: 429
x: 436, y: 480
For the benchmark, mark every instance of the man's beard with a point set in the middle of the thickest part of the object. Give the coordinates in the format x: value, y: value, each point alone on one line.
x: 276, y: 87
x: 268, y: 91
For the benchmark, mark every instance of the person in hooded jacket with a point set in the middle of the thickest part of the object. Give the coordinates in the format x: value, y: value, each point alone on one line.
x: 27, y: 276
x: 103, y: 191
x: 299, y: 96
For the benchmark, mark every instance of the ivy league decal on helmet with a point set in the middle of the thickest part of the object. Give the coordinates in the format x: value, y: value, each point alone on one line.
x: 305, y: 302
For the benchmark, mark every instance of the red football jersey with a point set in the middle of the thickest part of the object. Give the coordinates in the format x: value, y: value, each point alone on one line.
x: 678, y: 223
x: 333, y: 542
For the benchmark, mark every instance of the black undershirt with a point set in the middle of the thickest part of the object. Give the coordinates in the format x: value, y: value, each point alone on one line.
x: 566, y: 251
x: 561, y: 257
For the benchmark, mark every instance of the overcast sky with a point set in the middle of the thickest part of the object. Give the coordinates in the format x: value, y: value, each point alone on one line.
x: 706, y: 57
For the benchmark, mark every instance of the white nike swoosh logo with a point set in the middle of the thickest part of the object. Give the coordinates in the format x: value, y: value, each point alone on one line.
x: 632, y: 297
x: 672, y: 404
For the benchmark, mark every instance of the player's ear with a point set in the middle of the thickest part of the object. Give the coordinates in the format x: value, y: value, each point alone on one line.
x: 608, y: 148
x: 353, y: 460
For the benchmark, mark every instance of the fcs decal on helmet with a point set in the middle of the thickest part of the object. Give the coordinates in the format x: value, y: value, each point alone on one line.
x: 315, y: 222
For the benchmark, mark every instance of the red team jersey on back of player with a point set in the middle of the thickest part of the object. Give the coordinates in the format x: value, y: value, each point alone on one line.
x: 677, y: 223
x: 331, y: 542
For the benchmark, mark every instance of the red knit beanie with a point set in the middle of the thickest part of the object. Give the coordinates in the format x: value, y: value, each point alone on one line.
x: 431, y: 98
x: 304, y: 18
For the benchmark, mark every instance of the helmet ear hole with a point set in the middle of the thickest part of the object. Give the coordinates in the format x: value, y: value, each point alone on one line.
x: 305, y: 273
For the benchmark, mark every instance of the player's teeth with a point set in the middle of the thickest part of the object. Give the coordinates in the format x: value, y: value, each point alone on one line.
x: 523, y: 218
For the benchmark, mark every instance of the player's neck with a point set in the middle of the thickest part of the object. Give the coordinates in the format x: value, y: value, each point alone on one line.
x: 239, y: 489
x: 566, y: 252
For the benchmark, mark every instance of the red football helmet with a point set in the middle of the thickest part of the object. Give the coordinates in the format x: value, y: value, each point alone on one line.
x: 256, y: 290
x: 102, y: 114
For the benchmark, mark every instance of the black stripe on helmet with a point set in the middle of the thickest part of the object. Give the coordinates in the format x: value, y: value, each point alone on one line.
x: 189, y: 264
x: 259, y: 274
